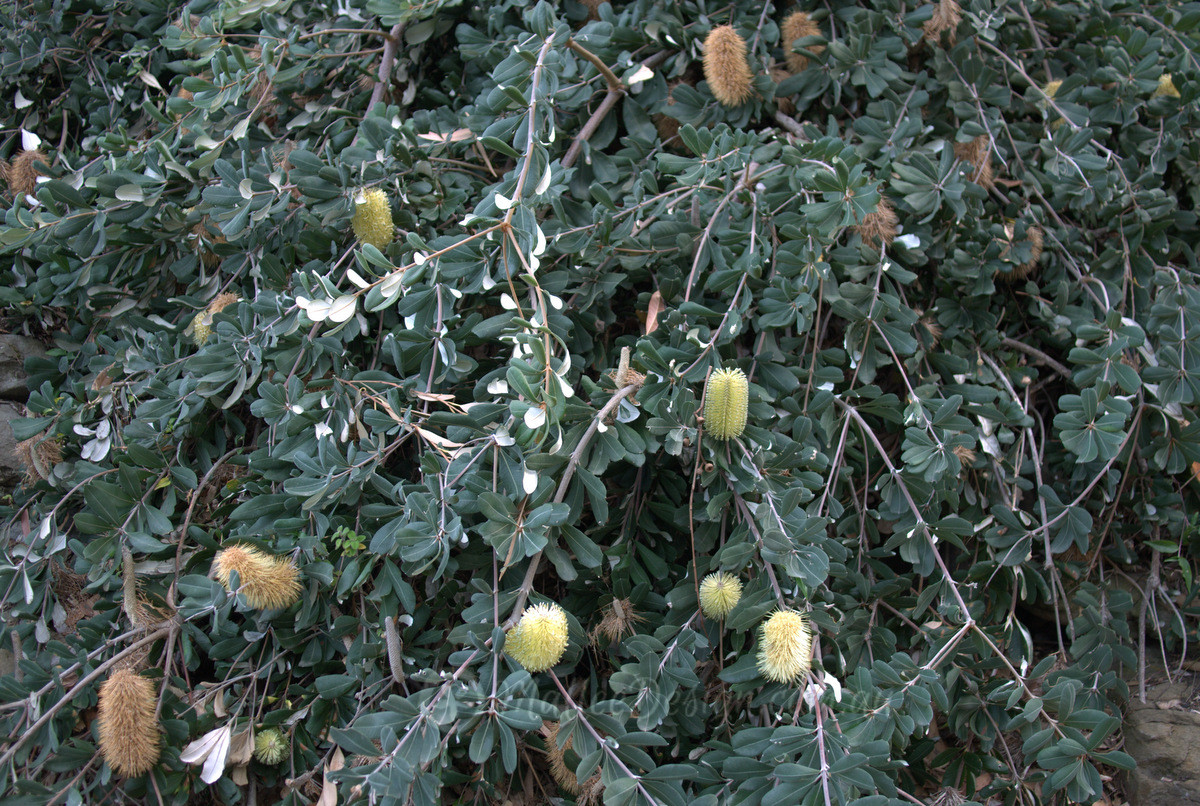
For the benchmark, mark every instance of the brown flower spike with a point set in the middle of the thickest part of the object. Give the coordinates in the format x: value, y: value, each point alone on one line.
x: 129, y: 733
x: 946, y: 16
x: 798, y: 25
x: 879, y: 225
x: 725, y: 66
x: 23, y: 174
x: 978, y: 153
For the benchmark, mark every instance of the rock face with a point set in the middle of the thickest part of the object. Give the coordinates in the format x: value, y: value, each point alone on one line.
x: 11, y: 468
x: 1163, y: 736
x: 14, y: 349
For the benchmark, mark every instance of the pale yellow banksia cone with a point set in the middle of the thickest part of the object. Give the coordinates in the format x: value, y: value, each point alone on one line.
x: 270, y: 746
x: 373, y: 219
x: 785, y: 647
x: 726, y: 403
x: 798, y: 25
x: 540, y: 637
x: 1166, y: 86
x: 725, y: 67
x: 129, y: 733
x: 267, y: 582
x: 719, y: 594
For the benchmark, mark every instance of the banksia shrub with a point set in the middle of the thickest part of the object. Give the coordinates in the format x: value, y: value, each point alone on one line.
x: 785, y: 647
x: 270, y: 746
x: 372, y: 220
x: 267, y: 582
x: 725, y: 67
x: 24, y: 171
x: 540, y: 637
x: 719, y: 594
x: 798, y: 25
x: 129, y: 733
x: 726, y: 404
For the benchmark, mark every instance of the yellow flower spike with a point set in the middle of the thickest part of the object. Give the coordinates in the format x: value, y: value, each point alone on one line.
x: 785, y: 647
x: 725, y: 404
x: 129, y: 732
x: 267, y: 582
x: 373, y: 219
x: 719, y: 594
x: 539, y: 639
x: 1166, y: 86
x: 725, y: 67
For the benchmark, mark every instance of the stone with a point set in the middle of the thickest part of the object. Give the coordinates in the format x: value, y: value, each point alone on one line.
x: 1163, y: 736
x: 11, y: 468
x: 14, y: 349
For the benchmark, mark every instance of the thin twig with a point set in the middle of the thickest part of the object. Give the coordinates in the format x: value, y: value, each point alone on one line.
x: 561, y: 493
x: 1038, y: 354
x: 386, y: 62
x: 614, y: 83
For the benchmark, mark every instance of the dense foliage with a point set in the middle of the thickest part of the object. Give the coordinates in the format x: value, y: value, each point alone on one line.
x: 968, y: 444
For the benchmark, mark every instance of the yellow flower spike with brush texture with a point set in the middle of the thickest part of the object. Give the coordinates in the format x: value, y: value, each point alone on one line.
x: 726, y: 403
x: 267, y: 582
x: 540, y: 638
x: 373, y: 219
x: 719, y: 594
x: 785, y: 647
x: 725, y: 67
x: 129, y: 733
x: 1166, y: 87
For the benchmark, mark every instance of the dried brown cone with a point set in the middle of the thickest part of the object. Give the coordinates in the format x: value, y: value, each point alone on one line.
x: 619, y: 620
x: 23, y: 174
x: 4, y: 168
x: 593, y: 7
x: 798, y: 25
x: 129, y: 731
x: 562, y: 772
x: 965, y: 455
x: 948, y: 796
x: 879, y: 225
x: 667, y: 126
x: 725, y: 66
x: 978, y: 153
x: 932, y: 332
x: 1035, y: 237
x: 221, y: 302
x: 946, y: 17
x: 205, y: 239
x: 39, y: 454
x: 785, y: 105
x: 591, y: 792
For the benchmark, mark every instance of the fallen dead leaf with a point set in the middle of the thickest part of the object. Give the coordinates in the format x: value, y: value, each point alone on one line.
x: 329, y: 788
x: 656, y: 307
